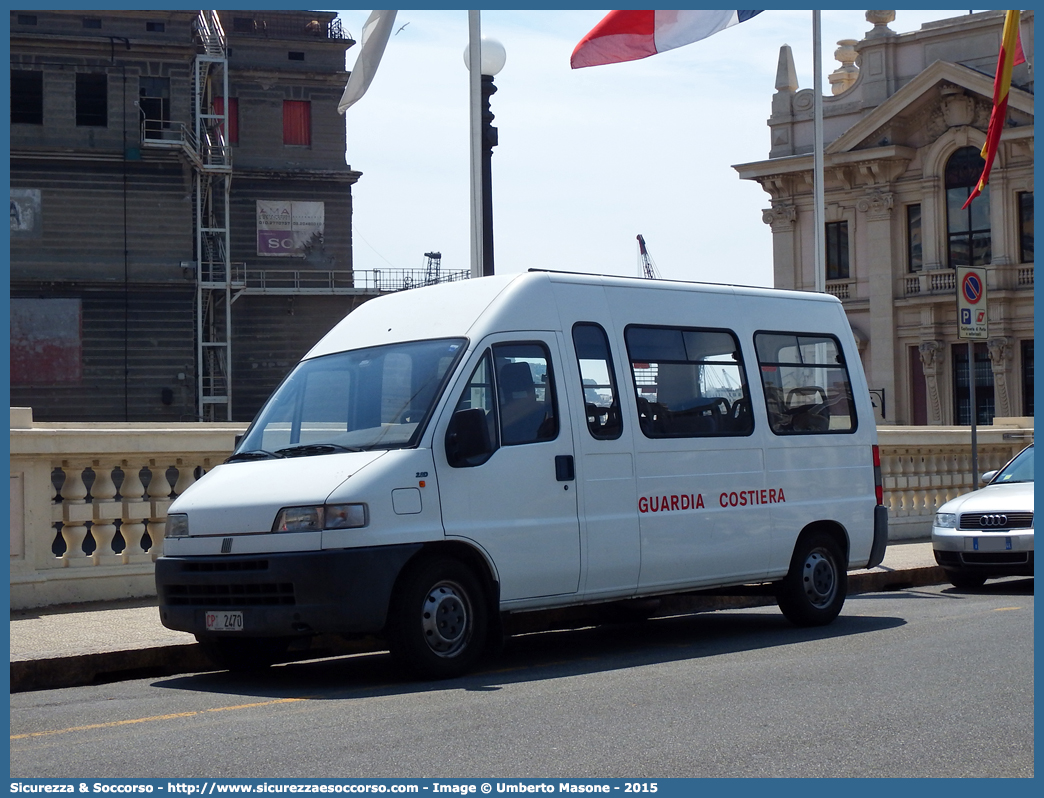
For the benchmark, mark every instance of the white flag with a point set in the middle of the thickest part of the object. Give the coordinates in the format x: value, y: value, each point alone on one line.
x: 374, y: 38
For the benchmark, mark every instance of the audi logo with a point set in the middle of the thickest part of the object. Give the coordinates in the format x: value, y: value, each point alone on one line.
x: 996, y: 521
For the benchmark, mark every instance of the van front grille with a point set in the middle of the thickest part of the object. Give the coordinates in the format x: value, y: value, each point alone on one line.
x: 213, y: 596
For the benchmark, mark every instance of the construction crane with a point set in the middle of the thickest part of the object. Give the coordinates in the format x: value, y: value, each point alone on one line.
x: 646, y: 267
x: 432, y: 264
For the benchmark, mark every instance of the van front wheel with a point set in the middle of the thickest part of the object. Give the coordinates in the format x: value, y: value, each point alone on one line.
x: 438, y: 620
x: 814, y: 590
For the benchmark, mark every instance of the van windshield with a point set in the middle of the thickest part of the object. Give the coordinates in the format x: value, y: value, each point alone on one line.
x: 376, y: 398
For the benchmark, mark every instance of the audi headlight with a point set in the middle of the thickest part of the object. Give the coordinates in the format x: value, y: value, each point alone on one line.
x: 946, y: 520
x: 177, y: 526
x: 313, y: 519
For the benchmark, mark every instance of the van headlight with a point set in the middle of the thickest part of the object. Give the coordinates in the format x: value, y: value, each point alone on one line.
x: 313, y: 519
x: 177, y: 526
x: 946, y: 520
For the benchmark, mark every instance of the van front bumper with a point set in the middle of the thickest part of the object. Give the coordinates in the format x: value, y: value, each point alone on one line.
x: 344, y: 591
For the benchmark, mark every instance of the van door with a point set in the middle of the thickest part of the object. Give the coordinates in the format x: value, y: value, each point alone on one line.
x: 505, y: 466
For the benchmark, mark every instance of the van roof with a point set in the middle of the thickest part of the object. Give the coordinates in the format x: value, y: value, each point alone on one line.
x: 452, y: 310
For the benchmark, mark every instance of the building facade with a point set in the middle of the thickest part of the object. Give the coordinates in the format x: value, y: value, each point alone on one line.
x: 180, y: 208
x: 902, y: 133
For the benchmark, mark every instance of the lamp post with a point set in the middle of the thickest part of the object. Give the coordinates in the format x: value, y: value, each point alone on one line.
x: 491, y: 61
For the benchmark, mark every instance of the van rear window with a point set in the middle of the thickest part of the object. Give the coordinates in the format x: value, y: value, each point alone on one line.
x: 689, y: 382
x: 806, y: 383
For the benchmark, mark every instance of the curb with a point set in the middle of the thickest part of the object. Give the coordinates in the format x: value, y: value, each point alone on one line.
x: 80, y: 670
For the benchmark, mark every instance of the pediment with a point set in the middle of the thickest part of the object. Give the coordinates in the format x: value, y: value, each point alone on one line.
x: 943, y: 96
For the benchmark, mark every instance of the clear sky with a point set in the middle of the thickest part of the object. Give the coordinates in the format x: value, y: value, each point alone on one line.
x: 587, y: 158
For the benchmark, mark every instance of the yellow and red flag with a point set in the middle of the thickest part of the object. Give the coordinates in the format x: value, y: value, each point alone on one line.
x: 1010, y: 55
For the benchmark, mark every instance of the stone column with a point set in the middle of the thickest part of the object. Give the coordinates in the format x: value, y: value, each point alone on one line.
x: 876, y: 208
x: 1002, y: 357
x: 782, y: 218
x: 931, y: 361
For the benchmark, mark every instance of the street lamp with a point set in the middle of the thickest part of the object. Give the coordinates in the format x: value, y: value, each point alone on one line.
x: 492, y: 59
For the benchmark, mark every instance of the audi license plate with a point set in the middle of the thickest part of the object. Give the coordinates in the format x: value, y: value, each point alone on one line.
x: 224, y: 621
x: 993, y: 543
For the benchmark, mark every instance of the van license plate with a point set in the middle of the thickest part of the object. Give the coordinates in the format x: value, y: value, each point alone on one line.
x: 221, y: 621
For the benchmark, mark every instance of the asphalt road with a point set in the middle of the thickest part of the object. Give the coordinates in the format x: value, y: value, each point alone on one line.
x: 922, y: 682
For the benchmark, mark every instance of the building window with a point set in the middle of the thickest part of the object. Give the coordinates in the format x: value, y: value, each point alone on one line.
x: 984, y: 407
x: 92, y: 99
x: 297, y: 122
x: 93, y: 23
x: 243, y: 25
x: 837, y: 251
x: 295, y: 55
x: 914, y: 251
x: 27, y: 19
x: 154, y: 103
x: 1027, y: 377
x: 232, y: 115
x: 967, y: 229
x: 155, y: 27
x: 26, y: 97
x: 1026, y: 227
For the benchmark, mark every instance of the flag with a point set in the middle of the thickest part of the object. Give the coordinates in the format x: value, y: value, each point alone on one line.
x: 374, y: 39
x: 630, y: 35
x: 1001, y: 83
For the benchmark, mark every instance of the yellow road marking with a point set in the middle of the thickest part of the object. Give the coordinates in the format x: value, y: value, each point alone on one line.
x: 116, y: 723
x: 1004, y: 609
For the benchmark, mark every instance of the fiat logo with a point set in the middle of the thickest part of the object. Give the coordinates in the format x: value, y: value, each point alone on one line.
x: 993, y: 521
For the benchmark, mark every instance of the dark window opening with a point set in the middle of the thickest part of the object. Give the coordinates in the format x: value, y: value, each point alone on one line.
x: 27, y: 19
x: 914, y: 246
x: 1026, y: 227
x: 154, y: 103
x: 1027, y: 377
x: 967, y: 229
x: 243, y: 25
x: 26, y: 97
x: 155, y: 27
x: 984, y: 399
x: 837, y: 251
x: 92, y: 99
x: 295, y: 55
x: 92, y: 22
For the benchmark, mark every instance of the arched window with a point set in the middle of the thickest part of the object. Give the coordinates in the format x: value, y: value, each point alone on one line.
x: 967, y: 230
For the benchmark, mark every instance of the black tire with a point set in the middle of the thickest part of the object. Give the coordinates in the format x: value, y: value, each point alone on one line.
x: 814, y: 590
x: 438, y: 620
x: 964, y: 580
x: 244, y: 653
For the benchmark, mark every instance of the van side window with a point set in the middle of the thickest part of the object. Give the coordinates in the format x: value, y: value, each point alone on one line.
x: 598, y: 381
x: 472, y: 436
x: 689, y: 382
x: 525, y: 393
x: 807, y: 389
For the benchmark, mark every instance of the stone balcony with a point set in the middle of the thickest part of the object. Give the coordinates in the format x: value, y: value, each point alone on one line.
x: 89, y: 500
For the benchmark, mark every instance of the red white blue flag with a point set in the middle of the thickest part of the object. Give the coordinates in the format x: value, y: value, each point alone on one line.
x: 630, y: 35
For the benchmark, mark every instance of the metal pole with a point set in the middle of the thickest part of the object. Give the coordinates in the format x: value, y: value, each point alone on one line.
x: 475, y: 74
x: 817, y: 189
x: 971, y: 397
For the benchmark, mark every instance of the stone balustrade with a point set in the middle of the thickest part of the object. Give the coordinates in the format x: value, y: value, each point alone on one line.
x: 89, y: 500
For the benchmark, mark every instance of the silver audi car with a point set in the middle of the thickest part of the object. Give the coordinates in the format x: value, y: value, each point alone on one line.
x: 989, y: 532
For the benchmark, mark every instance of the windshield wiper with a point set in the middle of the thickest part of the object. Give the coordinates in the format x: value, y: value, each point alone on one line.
x: 253, y: 454
x: 308, y: 449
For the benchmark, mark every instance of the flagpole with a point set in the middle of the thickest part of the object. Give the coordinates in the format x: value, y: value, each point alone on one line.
x: 819, y: 201
x: 475, y: 75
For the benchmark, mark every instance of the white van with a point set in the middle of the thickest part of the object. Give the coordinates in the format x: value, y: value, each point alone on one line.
x: 450, y: 455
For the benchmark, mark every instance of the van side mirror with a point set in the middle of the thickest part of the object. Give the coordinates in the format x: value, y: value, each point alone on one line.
x: 467, y: 439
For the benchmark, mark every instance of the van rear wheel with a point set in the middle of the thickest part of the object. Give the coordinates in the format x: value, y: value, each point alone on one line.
x: 814, y: 590
x: 438, y: 620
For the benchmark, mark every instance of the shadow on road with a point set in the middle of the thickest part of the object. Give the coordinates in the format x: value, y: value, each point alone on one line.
x: 538, y: 656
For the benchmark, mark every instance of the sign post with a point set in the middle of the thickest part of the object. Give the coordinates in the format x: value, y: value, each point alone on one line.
x: 972, y: 327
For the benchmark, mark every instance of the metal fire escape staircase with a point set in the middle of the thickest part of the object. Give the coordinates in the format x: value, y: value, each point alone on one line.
x: 213, y: 175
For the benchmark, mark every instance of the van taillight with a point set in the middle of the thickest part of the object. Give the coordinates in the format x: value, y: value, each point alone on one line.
x: 878, y: 487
